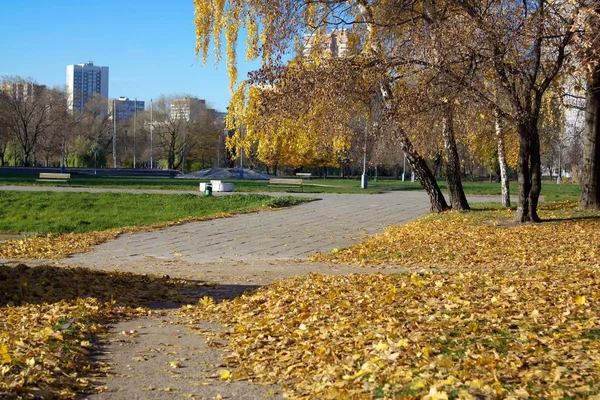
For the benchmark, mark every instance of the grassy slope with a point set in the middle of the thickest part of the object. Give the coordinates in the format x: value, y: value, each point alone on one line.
x: 48, y: 212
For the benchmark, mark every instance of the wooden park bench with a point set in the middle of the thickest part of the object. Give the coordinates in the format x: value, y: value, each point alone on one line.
x: 304, y: 175
x: 53, y: 177
x: 285, y: 183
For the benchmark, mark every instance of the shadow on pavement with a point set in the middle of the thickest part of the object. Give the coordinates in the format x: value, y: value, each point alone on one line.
x: 47, y: 284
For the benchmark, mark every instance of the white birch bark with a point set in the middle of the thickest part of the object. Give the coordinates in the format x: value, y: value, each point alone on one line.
x: 502, y: 160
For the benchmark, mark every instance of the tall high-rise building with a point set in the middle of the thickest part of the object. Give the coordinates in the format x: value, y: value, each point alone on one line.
x: 85, y: 81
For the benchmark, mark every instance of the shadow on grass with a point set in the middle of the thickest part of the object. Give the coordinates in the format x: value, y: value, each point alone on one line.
x: 49, y: 284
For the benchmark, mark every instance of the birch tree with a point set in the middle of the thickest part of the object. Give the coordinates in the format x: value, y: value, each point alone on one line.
x: 272, y: 27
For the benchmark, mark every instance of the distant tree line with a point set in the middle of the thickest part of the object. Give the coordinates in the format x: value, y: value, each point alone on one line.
x: 37, y: 128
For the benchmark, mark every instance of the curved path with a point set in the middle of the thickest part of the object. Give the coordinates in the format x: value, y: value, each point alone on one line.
x: 334, y: 221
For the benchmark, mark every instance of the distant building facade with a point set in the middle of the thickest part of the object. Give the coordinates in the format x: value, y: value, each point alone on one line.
x: 189, y: 109
x: 22, y: 90
x: 220, y: 117
x: 125, y: 108
x: 85, y: 81
x: 334, y: 44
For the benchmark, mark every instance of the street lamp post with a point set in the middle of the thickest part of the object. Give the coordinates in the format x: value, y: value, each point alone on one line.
x: 364, y: 178
x: 62, y: 167
x: 64, y: 143
x: 114, y: 135
x: 95, y: 150
x: 134, y: 118
x: 151, y: 125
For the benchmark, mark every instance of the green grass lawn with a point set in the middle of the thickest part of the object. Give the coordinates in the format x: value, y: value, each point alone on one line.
x: 550, y: 190
x: 312, y: 186
x: 48, y: 212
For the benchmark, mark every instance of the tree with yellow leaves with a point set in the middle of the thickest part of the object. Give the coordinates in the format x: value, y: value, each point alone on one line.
x: 273, y: 27
x: 503, y: 54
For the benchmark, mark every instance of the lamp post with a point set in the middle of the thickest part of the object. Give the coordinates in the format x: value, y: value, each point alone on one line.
x: 95, y: 150
x: 364, y: 178
x: 134, y: 118
x: 64, y: 140
x: 114, y: 135
x: 62, y: 167
x: 151, y: 125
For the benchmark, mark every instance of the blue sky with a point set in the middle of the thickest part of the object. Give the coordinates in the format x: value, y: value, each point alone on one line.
x: 147, y: 45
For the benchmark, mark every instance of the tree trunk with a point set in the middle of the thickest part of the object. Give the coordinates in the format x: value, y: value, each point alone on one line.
x: 528, y: 171
x: 502, y: 162
x: 523, y: 181
x: 421, y: 169
x: 536, y: 173
x: 458, y: 200
x: 590, y: 179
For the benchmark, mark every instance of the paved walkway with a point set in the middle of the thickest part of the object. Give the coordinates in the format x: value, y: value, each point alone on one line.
x: 334, y: 221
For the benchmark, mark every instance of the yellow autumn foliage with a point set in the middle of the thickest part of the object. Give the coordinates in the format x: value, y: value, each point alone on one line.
x: 484, y: 310
x: 510, y: 332
x: 466, y: 240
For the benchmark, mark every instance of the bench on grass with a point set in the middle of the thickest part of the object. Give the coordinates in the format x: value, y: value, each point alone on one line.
x: 285, y: 183
x: 53, y: 177
x: 304, y: 175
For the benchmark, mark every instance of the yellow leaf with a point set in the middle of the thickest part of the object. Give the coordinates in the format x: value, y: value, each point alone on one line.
x: 5, y: 358
x: 464, y: 395
x: 476, y: 383
x: 207, y: 301
x: 174, y: 364
x: 498, y: 388
x: 381, y: 346
x: 435, y: 395
x: 224, y: 375
x: 580, y: 300
x: 47, y: 331
x: 418, y: 384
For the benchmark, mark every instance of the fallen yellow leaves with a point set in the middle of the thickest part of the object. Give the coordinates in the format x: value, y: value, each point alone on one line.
x: 341, y: 337
x: 454, y: 240
x: 51, y: 317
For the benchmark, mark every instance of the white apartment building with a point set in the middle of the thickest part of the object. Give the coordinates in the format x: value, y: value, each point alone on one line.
x: 188, y: 108
x: 125, y: 108
x: 334, y: 44
x: 22, y: 89
x: 85, y: 81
